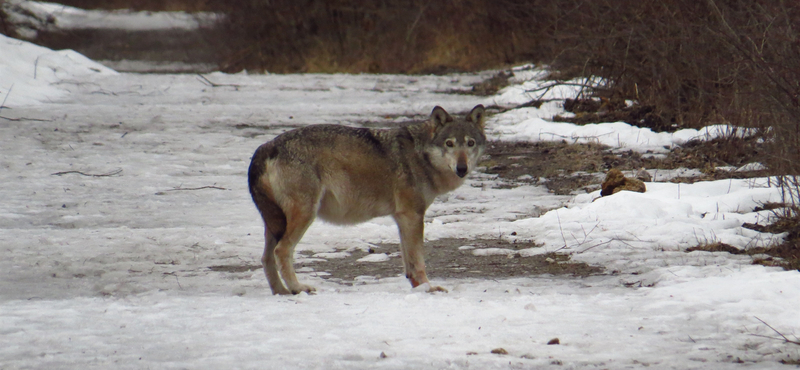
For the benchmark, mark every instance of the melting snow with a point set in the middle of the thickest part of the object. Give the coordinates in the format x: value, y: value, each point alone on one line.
x: 121, y: 191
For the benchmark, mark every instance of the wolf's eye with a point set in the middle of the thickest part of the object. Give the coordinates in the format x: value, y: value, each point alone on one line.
x: 471, y: 143
x: 449, y: 143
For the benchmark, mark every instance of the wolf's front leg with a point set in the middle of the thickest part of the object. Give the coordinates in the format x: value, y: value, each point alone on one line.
x: 411, y: 228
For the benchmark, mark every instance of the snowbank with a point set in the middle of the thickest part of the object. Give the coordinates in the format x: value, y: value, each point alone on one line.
x: 31, y: 74
x: 36, y: 15
x: 518, y: 125
x: 535, y: 123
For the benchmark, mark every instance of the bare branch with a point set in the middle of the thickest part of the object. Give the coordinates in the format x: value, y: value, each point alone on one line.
x: 107, y: 174
x: 207, y: 82
x: 3, y: 104
x: 20, y: 119
x: 191, y: 189
x: 785, y: 340
x: 547, y: 87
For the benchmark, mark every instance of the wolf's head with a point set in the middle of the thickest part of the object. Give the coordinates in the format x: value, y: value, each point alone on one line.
x: 457, y: 145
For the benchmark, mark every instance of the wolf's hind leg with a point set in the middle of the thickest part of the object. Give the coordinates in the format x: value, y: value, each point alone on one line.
x: 297, y: 222
x: 271, y: 265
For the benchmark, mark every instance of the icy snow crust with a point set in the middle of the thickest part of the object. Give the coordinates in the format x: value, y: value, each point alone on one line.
x: 114, y: 270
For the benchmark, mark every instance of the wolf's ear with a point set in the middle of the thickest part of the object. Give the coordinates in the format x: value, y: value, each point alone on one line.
x: 477, y: 116
x: 439, y: 117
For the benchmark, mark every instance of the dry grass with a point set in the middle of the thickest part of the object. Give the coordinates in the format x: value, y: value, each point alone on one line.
x: 715, y: 247
x: 393, y: 36
x: 787, y: 253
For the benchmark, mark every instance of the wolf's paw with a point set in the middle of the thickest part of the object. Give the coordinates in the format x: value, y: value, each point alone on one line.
x: 436, y: 288
x: 283, y: 291
x: 303, y: 288
x: 279, y: 289
x: 428, y: 288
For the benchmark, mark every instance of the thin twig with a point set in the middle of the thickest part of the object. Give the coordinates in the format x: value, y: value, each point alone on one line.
x: 575, y: 138
x: 414, y: 25
x: 595, y: 246
x: 561, y: 83
x: 3, y: 104
x: 107, y: 174
x: 585, y: 235
x: 562, y: 233
x: 207, y: 82
x: 25, y: 119
x: 104, y: 92
x: 200, y: 188
x: 786, y: 340
x: 532, y: 103
x: 176, y: 278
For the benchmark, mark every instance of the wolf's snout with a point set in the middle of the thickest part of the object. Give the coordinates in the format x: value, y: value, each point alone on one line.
x: 461, y: 170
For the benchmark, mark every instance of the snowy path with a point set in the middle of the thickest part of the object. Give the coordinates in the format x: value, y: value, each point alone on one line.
x: 349, y: 328
x: 113, y: 271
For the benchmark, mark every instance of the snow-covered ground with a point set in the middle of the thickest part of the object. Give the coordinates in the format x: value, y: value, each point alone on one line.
x: 112, y: 270
x: 29, y: 17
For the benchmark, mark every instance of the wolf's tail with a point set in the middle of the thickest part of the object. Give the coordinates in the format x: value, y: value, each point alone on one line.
x: 271, y: 212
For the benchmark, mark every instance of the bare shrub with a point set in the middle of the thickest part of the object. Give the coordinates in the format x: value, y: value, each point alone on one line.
x: 356, y: 36
x: 682, y: 60
x: 665, y: 55
x: 691, y: 64
x: 5, y: 27
x: 769, y: 43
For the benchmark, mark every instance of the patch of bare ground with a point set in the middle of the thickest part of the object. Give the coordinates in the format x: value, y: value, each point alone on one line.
x: 491, y: 85
x: 445, y: 259
x: 554, y: 162
x: 586, y: 111
x: 558, y: 163
x: 787, y: 253
x: 709, y: 156
x: 566, y: 168
x: 234, y: 268
x: 716, y: 247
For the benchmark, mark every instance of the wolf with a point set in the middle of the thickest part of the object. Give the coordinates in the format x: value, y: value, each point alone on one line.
x: 346, y: 175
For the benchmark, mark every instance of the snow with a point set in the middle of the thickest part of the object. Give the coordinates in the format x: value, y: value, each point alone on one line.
x: 114, y: 270
x: 149, y: 66
x: 533, y: 124
x: 34, y: 74
x: 44, y: 15
x: 494, y: 252
x: 530, y: 124
x: 377, y: 257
